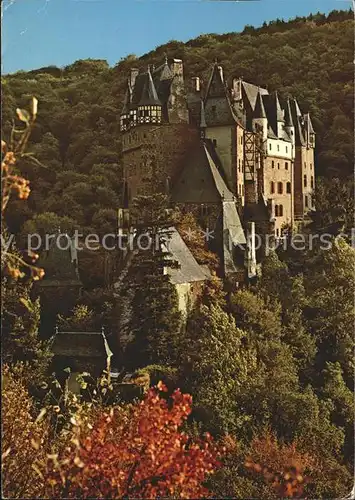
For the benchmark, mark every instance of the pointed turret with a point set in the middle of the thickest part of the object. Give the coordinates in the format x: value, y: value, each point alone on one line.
x: 259, y: 116
x: 297, y: 118
x: 297, y: 108
x: 166, y: 73
x: 289, y: 124
x: 149, y: 96
x: 216, y: 86
x: 259, y: 110
x: 288, y: 115
x: 279, y: 112
x: 218, y: 108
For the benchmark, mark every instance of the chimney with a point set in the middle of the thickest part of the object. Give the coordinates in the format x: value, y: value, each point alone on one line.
x: 196, y: 83
x: 133, y: 76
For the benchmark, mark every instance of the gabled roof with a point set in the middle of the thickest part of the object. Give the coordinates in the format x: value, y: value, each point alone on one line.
x: 80, y: 344
x: 232, y: 223
x: 200, y: 180
x: 221, y: 186
x: 250, y: 93
x: 216, y: 86
x: 218, y: 107
x: 189, y: 270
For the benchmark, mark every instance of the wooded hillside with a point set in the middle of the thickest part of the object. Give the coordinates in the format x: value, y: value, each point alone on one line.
x: 77, y: 135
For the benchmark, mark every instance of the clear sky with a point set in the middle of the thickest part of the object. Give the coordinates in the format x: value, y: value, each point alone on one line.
x: 40, y: 33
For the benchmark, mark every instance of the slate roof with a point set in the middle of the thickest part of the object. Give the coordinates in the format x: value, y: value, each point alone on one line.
x: 259, y: 110
x: 189, y: 270
x: 288, y: 114
x: 217, y: 104
x: 149, y: 96
x: 297, y: 120
x: 250, y: 93
x: 221, y: 186
x: 79, y: 344
x: 231, y: 222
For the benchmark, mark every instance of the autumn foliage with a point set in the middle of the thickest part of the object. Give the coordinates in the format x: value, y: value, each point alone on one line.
x: 136, y: 453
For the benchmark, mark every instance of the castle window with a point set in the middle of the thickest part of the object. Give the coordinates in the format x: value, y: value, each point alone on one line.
x: 276, y: 210
x: 278, y: 165
x: 310, y: 166
x: 277, y: 232
x: 312, y: 182
x: 241, y: 139
x: 288, y: 187
x: 278, y: 147
x: 242, y: 165
x: 243, y: 189
x: 305, y: 181
x: 281, y: 210
x: 306, y: 201
x: 239, y: 165
x: 272, y: 163
x: 279, y: 187
x: 272, y: 187
x: 286, y: 165
x: 305, y: 165
x: 286, y: 149
x: 270, y: 146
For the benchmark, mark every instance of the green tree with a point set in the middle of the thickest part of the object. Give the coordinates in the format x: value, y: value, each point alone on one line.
x: 155, y: 318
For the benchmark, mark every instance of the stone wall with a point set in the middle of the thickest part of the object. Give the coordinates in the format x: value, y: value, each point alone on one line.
x: 275, y: 172
x: 153, y: 156
x: 304, y: 169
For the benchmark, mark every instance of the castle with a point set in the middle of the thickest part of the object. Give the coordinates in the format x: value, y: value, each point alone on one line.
x: 232, y: 153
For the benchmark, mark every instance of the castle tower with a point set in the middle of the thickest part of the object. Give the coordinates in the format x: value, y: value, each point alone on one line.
x: 155, y: 129
x: 226, y: 131
x: 304, y: 173
x: 259, y: 117
x: 289, y: 126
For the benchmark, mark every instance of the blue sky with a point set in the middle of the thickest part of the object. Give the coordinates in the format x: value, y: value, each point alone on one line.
x: 38, y: 33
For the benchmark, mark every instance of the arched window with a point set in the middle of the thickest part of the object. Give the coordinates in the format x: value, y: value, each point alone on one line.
x: 305, y: 181
x: 279, y: 187
x: 288, y: 187
x: 276, y: 210
x: 281, y: 210
x: 272, y: 187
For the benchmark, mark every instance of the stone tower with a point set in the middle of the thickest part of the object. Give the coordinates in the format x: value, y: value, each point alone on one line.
x: 155, y: 129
